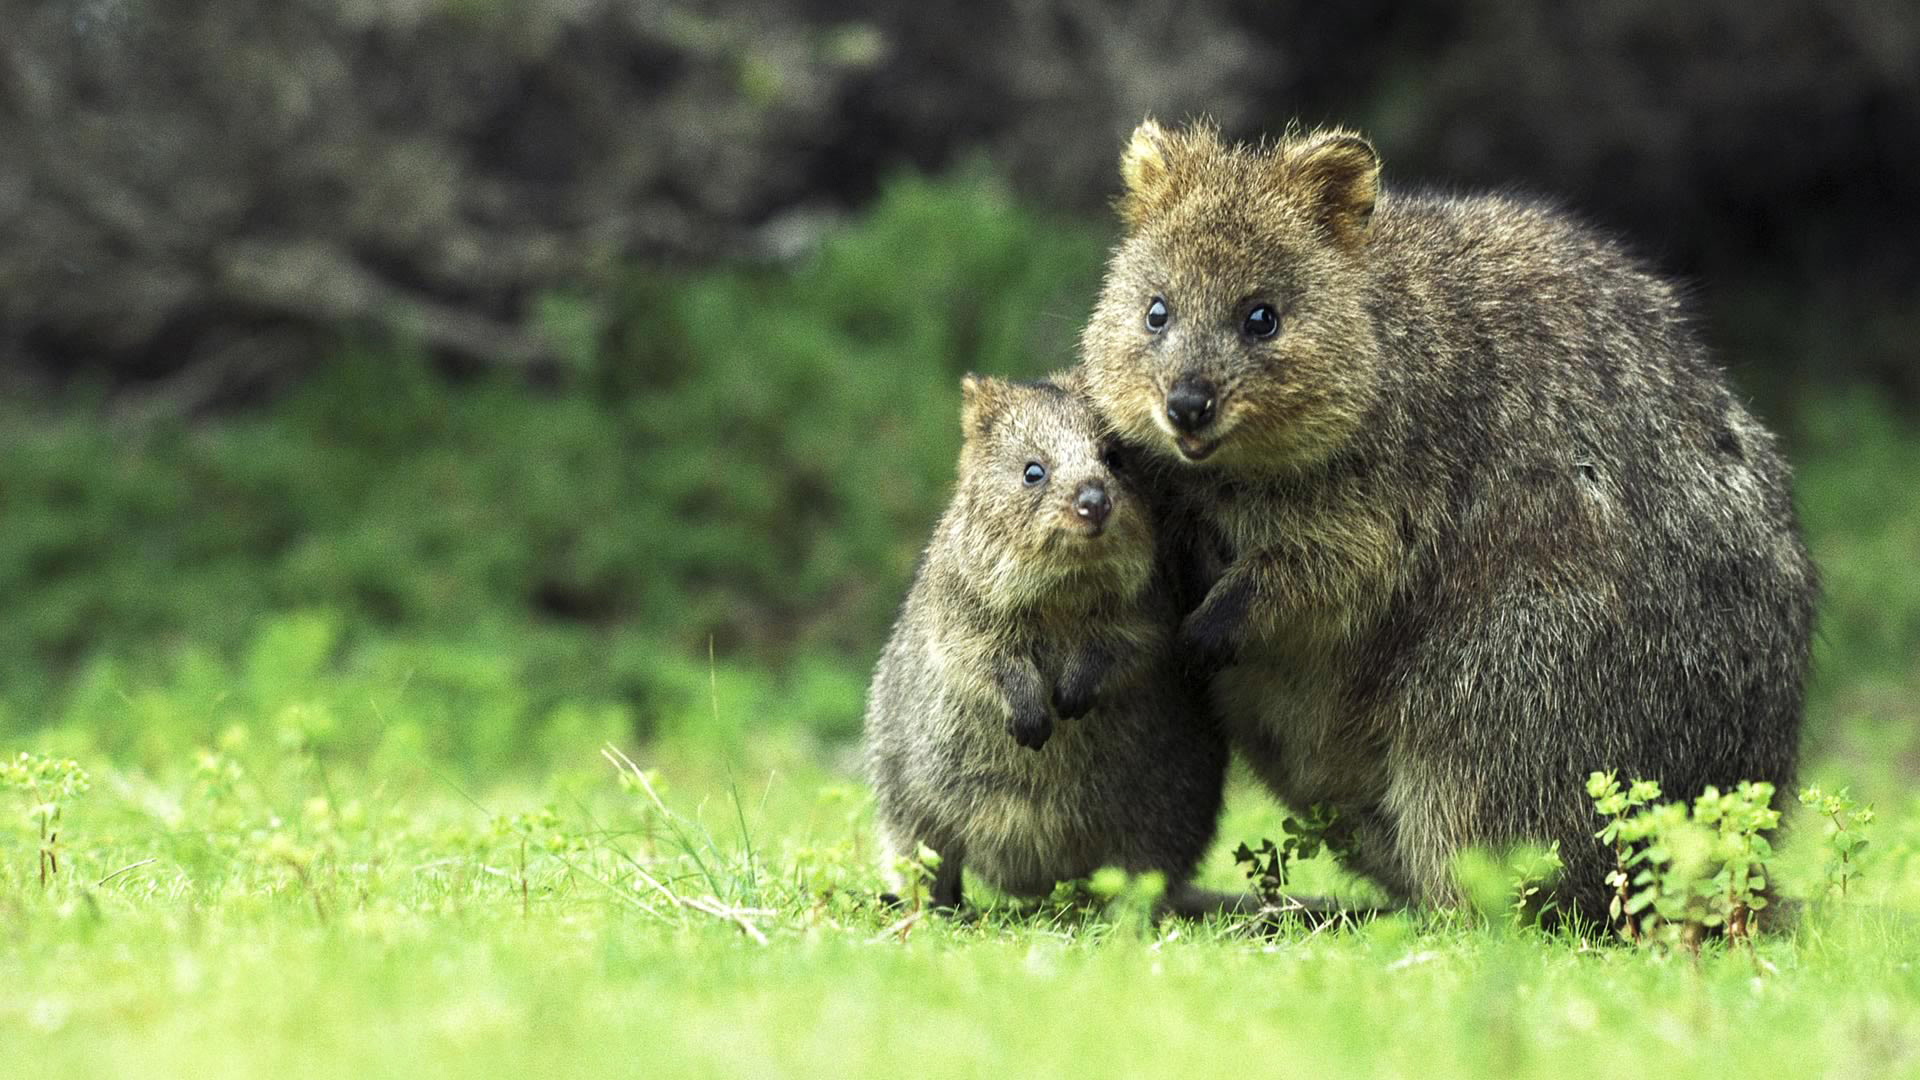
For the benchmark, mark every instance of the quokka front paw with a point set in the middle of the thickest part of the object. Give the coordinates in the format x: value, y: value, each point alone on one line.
x: 1210, y: 638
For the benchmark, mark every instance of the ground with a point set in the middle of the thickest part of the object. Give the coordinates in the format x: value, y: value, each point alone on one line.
x: 263, y: 914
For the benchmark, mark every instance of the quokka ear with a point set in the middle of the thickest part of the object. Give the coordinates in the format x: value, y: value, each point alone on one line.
x: 1151, y: 163
x: 1143, y: 164
x: 1339, y: 174
x: 982, y: 397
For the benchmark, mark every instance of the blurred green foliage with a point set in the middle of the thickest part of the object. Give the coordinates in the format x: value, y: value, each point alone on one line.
x: 699, y: 529
x: 1855, y: 460
x: 739, y: 465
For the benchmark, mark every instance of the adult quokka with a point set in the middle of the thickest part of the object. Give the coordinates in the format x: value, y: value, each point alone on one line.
x: 1480, y: 515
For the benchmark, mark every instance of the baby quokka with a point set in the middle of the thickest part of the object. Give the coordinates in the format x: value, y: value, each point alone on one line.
x: 1027, y: 720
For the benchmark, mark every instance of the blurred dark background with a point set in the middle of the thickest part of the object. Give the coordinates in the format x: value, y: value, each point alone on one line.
x: 218, y: 187
x: 544, y: 365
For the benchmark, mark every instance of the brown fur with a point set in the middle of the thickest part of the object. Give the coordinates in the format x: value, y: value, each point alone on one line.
x: 1025, y: 719
x: 1479, y: 518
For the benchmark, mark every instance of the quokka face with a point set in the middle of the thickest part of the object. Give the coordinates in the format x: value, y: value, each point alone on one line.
x: 1230, y: 328
x: 1044, y: 494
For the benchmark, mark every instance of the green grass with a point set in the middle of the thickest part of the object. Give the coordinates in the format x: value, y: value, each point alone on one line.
x: 341, y: 668
x: 268, y: 914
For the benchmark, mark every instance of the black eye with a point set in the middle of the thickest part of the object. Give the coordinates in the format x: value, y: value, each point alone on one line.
x: 1035, y: 473
x: 1113, y: 457
x: 1261, y: 322
x: 1157, y: 315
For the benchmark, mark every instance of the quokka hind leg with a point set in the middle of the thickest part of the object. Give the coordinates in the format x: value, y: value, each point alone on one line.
x: 944, y: 894
x: 1434, y: 819
x: 1441, y: 811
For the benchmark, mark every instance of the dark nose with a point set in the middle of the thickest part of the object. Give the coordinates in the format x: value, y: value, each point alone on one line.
x: 1091, y: 503
x: 1190, y: 403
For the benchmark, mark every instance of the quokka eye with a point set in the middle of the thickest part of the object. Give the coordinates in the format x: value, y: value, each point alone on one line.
x: 1262, y: 322
x: 1157, y: 315
x: 1035, y: 473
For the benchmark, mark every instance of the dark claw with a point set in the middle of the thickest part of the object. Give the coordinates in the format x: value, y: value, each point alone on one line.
x: 1031, y: 731
x: 1207, y: 639
x: 1073, y: 701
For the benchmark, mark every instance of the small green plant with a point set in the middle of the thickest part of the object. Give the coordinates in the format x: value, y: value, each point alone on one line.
x: 1132, y: 900
x: 1266, y: 869
x: 1267, y: 866
x: 916, y: 872
x: 1617, y: 804
x: 48, y: 783
x: 1843, y: 829
x: 1670, y: 855
x: 1509, y: 886
x: 217, y: 775
x: 1682, y: 871
x: 1741, y: 820
x: 1533, y: 869
x: 538, y: 832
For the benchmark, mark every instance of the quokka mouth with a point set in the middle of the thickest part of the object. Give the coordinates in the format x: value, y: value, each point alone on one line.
x: 1078, y: 532
x: 1194, y: 448
x: 1088, y: 545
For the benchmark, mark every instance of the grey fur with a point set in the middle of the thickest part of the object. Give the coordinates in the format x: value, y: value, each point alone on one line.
x: 1482, y: 518
x: 1025, y: 719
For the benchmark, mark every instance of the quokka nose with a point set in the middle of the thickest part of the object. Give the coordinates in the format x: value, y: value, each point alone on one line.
x: 1091, y: 502
x: 1190, y: 403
